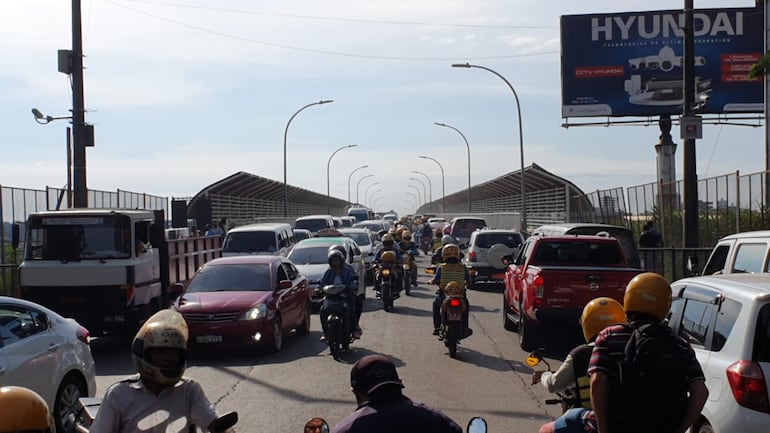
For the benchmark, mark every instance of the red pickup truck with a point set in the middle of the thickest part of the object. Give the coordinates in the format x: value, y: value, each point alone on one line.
x: 554, y: 277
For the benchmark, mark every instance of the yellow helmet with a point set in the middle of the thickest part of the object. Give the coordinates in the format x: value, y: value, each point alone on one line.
x: 406, y: 235
x: 449, y: 251
x: 23, y: 410
x: 648, y: 293
x: 599, y: 314
x: 165, y: 329
x: 388, y: 256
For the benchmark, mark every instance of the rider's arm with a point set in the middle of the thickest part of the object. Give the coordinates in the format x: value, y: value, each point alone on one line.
x: 562, y: 379
x: 599, y: 393
x: 108, y: 417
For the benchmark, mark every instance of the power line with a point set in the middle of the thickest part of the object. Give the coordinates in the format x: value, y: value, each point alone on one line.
x: 337, y: 19
x: 316, y: 51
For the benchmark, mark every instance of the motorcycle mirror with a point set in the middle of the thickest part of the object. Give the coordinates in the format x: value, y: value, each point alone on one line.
x: 224, y: 422
x: 430, y: 270
x: 534, y: 358
x: 477, y: 424
x: 317, y: 425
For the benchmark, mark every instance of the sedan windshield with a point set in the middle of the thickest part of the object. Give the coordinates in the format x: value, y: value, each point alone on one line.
x: 238, y: 278
x: 309, y: 255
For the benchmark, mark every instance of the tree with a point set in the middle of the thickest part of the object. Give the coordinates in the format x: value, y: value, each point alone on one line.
x: 762, y: 67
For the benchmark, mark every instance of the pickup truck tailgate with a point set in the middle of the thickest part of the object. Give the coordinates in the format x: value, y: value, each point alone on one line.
x: 573, y: 287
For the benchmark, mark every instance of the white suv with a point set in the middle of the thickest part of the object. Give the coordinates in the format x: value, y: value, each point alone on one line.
x: 726, y: 319
x: 486, y: 249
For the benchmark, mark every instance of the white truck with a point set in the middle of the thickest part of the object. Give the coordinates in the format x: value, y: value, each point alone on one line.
x: 109, y: 269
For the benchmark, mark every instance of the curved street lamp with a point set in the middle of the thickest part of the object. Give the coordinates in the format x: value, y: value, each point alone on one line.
x: 418, y: 194
x: 366, y: 191
x: 521, y: 139
x: 424, y: 189
x: 371, y: 197
x: 351, y: 175
x: 376, y: 201
x: 430, y: 188
x: 443, y: 205
x: 285, y: 133
x: 469, y: 158
x: 416, y: 200
x: 44, y: 120
x: 328, y: 164
x: 358, y: 185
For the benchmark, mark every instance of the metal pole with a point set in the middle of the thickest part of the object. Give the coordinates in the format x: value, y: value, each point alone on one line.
x: 469, y: 158
x: 371, y: 198
x: 69, y: 167
x: 424, y: 189
x: 443, y: 189
x: 690, y: 172
x: 351, y: 175
x: 523, y: 190
x: 416, y: 200
x: 418, y: 195
x: 285, y: 134
x: 328, y: 164
x: 366, y: 191
x: 430, y: 188
x: 358, y: 185
x: 78, y: 112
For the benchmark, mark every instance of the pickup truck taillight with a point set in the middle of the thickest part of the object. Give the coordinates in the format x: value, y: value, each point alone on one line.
x: 472, y: 256
x: 538, y: 285
x: 748, y: 385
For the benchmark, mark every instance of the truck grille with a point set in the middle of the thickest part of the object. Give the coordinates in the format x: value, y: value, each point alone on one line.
x: 211, y: 318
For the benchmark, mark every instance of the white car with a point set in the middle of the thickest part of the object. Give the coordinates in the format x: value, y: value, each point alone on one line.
x: 726, y: 319
x: 47, y: 353
x: 369, y: 245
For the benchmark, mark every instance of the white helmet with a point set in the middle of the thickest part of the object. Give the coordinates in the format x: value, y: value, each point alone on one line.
x: 166, y: 329
x: 446, y: 239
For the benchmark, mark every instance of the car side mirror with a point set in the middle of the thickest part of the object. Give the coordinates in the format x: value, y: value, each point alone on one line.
x: 175, y: 290
x: 284, y: 284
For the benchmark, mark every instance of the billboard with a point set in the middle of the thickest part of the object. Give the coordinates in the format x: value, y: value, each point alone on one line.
x: 630, y: 64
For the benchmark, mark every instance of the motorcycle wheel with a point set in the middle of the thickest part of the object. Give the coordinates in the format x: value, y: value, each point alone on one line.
x: 387, y: 301
x: 452, y: 336
x: 335, y: 329
x: 407, y: 282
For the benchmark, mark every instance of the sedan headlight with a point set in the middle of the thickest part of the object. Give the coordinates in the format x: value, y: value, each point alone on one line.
x: 256, y: 312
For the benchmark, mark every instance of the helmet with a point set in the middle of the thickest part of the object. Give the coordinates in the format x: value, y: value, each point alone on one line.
x: 406, y: 235
x: 333, y: 252
x: 446, y: 240
x: 387, y: 237
x: 599, y: 314
x: 388, y: 256
x: 648, y: 293
x: 165, y: 329
x: 22, y: 409
x: 340, y: 248
x: 449, y: 251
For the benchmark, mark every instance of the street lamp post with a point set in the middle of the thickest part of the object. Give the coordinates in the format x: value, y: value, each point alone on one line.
x: 371, y: 197
x: 469, y: 158
x: 328, y: 164
x: 351, y: 175
x: 430, y: 188
x: 416, y: 200
x: 376, y: 201
x: 424, y: 189
x: 418, y: 194
x: 285, y: 134
x: 366, y: 191
x: 521, y: 140
x: 358, y: 185
x: 44, y: 120
x: 443, y: 205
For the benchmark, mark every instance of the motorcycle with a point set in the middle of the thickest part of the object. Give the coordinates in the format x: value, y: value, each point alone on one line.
x: 410, y: 271
x: 339, y: 322
x: 567, y: 399
x: 387, y: 281
x: 452, y: 310
x: 476, y: 424
x: 89, y: 407
x: 426, y: 244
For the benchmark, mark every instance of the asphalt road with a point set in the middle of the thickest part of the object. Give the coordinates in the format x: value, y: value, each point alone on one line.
x: 280, y: 392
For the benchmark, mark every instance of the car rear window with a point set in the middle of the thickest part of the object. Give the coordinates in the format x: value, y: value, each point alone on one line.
x: 578, y: 253
x: 249, y: 242
x: 239, y: 278
x: 464, y: 227
x: 309, y: 255
x: 749, y: 258
x: 313, y: 225
x: 762, y: 335
x: 486, y: 240
x: 728, y: 314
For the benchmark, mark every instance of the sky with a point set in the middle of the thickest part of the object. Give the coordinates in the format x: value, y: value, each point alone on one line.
x: 183, y: 93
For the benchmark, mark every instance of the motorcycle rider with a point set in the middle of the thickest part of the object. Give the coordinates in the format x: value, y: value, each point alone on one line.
x: 340, y: 273
x: 408, y: 246
x: 389, y: 244
x: 450, y: 270
x: 382, y: 406
x: 426, y: 236
x: 159, y: 395
x: 572, y: 375
x: 438, y: 256
x: 23, y: 410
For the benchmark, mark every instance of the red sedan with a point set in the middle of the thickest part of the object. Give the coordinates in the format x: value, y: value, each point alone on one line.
x: 245, y: 300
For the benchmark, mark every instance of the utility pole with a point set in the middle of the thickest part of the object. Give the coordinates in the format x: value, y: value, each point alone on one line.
x: 82, y: 134
x: 690, y: 174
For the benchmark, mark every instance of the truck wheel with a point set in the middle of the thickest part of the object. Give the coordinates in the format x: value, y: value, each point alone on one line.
x: 508, y: 324
x: 527, y: 337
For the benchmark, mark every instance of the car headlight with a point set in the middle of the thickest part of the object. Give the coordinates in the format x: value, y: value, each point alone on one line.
x: 257, y: 312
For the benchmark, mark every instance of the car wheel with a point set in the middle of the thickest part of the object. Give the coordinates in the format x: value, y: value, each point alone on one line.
x: 527, y: 337
x: 508, y: 324
x: 304, y: 327
x: 276, y: 343
x: 66, y: 406
x: 704, y: 427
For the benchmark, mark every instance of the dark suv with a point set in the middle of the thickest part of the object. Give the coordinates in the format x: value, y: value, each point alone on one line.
x: 462, y: 227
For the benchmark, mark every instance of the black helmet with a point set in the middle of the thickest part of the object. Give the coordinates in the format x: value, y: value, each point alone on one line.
x: 340, y: 248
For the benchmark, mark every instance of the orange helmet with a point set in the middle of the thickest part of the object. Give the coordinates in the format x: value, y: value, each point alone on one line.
x: 406, y: 235
x: 599, y: 314
x: 23, y: 410
x: 388, y: 256
x: 648, y: 293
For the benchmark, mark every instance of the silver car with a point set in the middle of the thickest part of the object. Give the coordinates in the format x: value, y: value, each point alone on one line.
x: 369, y: 245
x: 310, y: 256
x: 486, y: 249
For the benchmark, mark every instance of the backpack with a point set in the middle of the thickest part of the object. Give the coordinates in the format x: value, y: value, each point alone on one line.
x: 649, y: 390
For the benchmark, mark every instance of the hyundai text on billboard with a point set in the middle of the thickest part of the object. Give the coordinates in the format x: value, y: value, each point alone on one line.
x: 630, y: 64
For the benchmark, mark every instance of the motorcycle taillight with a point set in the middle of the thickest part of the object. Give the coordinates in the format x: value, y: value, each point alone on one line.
x: 455, y: 302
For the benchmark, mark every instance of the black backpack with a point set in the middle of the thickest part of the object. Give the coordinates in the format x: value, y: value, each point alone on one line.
x: 649, y: 390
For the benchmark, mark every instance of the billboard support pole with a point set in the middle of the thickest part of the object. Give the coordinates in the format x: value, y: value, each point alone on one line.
x: 767, y: 109
x: 690, y: 174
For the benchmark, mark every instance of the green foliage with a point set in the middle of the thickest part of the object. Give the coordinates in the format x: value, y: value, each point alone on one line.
x: 8, y: 271
x: 762, y: 67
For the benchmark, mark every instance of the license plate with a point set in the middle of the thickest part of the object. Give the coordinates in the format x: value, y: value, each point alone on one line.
x: 498, y: 276
x: 455, y: 317
x: 208, y: 339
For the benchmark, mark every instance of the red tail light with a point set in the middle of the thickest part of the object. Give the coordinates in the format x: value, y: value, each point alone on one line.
x: 83, y: 335
x: 472, y: 256
x: 748, y: 385
x: 455, y: 302
x: 539, y: 288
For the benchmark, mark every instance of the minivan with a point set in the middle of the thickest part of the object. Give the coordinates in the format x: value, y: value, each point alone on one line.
x: 261, y: 238
x: 622, y: 234
x: 314, y: 223
x: 745, y: 252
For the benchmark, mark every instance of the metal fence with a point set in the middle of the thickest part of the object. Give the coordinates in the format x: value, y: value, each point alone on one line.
x: 17, y: 203
x: 727, y: 204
